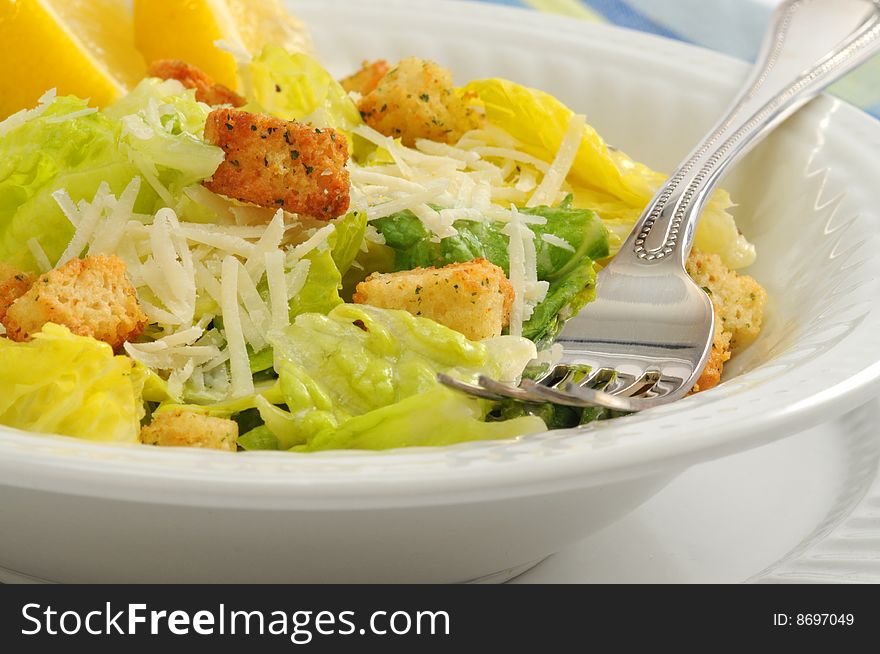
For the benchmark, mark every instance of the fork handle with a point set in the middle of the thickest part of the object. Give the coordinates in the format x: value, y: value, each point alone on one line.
x: 810, y: 44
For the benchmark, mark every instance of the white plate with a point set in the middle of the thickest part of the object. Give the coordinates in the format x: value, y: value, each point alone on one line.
x: 802, y: 509
x: 76, y: 511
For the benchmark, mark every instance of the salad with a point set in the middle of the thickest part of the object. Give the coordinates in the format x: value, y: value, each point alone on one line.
x: 288, y: 264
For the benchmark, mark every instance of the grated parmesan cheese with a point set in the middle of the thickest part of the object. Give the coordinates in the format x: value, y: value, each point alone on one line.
x: 528, y: 292
x: 559, y: 242
x: 39, y: 255
x: 239, y: 366
x: 19, y: 118
x: 297, y: 277
x: 555, y: 176
x: 278, y: 291
x: 319, y: 238
x: 113, y: 227
x: 72, y: 115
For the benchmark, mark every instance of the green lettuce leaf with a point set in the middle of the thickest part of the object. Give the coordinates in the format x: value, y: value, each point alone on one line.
x: 570, y: 273
x: 154, y: 132
x: 567, y: 295
x: 60, y: 383
x: 358, y: 359
x: 162, y: 129
x: 258, y: 438
x: 320, y: 293
x: 414, y: 247
x: 436, y: 417
x: 346, y: 240
x: 48, y: 153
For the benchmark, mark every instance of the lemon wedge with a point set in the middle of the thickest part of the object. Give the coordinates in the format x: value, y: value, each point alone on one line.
x: 81, y: 47
x: 171, y: 29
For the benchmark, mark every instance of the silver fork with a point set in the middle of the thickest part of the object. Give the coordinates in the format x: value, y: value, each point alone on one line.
x: 646, y: 338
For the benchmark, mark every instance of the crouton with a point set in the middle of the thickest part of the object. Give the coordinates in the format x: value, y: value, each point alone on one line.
x: 276, y: 163
x: 13, y: 284
x: 719, y: 355
x: 91, y: 297
x: 739, y: 299
x: 207, y: 90
x: 739, y: 309
x: 417, y: 100
x: 473, y: 298
x: 179, y: 428
x: 367, y: 78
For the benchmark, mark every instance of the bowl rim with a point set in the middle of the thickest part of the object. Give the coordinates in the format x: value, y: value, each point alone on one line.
x: 550, y: 462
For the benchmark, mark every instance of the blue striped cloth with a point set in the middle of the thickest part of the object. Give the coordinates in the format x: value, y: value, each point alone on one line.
x: 735, y: 27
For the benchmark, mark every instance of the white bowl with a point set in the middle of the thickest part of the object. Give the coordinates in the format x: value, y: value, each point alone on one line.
x: 75, y: 511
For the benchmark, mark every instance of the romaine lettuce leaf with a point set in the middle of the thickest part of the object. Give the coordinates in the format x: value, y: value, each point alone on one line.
x: 581, y: 229
x: 47, y: 153
x: 258, y: 438
x: 346, y: 240
x: 567, y: 295
x: 604, y: 180
x: 358, y: 359
x: 154, y: 133
x: 436, y: 417
x: 162, y: 125
x: 374, y: 257
x: 320, y: 293
x: 72, y: 385
x: 414, y: 247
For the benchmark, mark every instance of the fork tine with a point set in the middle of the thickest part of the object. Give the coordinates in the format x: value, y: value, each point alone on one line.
x: 592, y: 397
x: 586, y: 397
x: 547, y: 394
x: 557, y: 373
x: 597, y: 377
x: 471, y: 389
x: 638, y: 385
x: 506, y: 390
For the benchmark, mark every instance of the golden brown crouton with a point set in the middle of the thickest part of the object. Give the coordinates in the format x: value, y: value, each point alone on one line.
x: 207, y: 90
x: 739, y: 310
x: 91, y: 297
x: 738, y: 299
x: 417, y: 100
x: 276, y: 163
x: 367, y: 78
x: 719, y: 355
x: 473, y: 298
x: 13, y: 284
x: 179, y: 428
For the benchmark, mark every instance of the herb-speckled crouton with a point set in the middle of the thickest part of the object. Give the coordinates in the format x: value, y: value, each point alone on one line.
x: 738, y: 299
x: 279, y: 164
x: 473, y: 298
x: 13, y: 284
x: 91, y: 297
x: 719, y: 355
x: 207, y: 90
x: 417, y: 100
x: 367, y: 78
x: 739, y: 310
x: 179, y: 428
